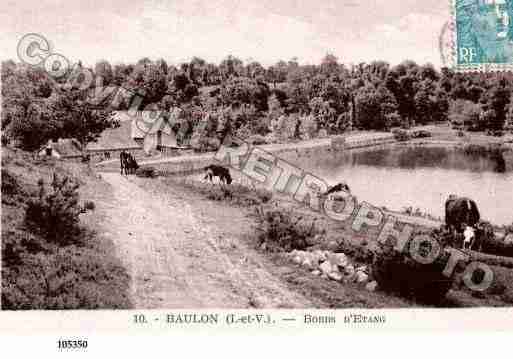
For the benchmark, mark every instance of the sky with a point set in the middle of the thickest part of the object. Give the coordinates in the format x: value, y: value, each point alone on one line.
x: 261, y: 30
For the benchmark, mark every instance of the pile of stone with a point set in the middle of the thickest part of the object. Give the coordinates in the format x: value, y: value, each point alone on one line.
x: 333, y: 266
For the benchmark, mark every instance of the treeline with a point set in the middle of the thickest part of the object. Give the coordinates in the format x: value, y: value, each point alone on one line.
x: 283, y: 101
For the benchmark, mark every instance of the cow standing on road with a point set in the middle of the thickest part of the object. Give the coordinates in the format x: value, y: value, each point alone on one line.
x: 132, y: 164
x: 123, y: 162
x: 218, y: 171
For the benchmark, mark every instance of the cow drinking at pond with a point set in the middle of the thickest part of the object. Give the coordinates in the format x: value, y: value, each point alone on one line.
x: 221, y: 172
x: 462, y: 216
x: 341, y: 186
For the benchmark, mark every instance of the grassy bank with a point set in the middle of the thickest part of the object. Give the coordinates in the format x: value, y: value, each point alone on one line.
x: 286, y: 225
x: 51, y: 256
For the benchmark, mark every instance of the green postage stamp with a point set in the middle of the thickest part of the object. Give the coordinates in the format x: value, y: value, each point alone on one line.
x: 484, y: 34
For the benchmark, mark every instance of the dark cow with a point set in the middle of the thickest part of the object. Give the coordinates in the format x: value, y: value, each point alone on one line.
x: 341, y: 186
x: 462, y: 216
x: 132, y: 164
x: 218, y: 171
x: 123, y: 161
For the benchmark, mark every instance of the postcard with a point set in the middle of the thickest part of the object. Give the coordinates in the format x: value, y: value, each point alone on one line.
x: 256, y: 166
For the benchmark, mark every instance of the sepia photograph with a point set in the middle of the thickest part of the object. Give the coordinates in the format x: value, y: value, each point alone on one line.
x: 254, y: 155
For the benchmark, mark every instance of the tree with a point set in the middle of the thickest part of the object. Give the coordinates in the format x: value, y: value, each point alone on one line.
x: 374, y: 107
x: 329, y: 64
x: 231, y: 67
x: 496, y: 99
x: 148, y: 80
x: 424, y: 103
x: 465, y: 113
x: 77, y: 118
x: 104, y: 70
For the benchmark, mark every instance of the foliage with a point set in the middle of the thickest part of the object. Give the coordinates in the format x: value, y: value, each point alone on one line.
x: 401, y: 135
x: 368, y: 96
x: 257, y: 140
x: 374, y: 106
x: 55, y: 214
x: 59, y: 267
x: 399, y: 273
x: 146, y: 171
x: 465, y: 113
x: 284, y: 230
x: 69, y: 278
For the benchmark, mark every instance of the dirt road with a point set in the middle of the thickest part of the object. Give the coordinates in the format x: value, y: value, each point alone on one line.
x: 178, y: 258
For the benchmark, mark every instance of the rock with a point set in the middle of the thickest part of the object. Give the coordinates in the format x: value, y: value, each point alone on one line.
x: 335, y: 276
x: 349, y: 270
x: 332, y: 245
x: 324, y: 276
x: 371, y: 286
x: 363, y: 269
x: 263, y: 246
x: 320, y: 254
x: 361, y: 277
x: 312, y: 241
x: 307, y: 263
x: 297, y: 260
x: 326, y: 267
x: 338, y: 259
x: 316, y: 272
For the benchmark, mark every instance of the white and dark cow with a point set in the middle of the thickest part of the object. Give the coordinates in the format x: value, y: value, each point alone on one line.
x: 462, y: 216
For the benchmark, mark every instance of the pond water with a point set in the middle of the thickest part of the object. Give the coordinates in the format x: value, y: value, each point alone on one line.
x: 422, y: 177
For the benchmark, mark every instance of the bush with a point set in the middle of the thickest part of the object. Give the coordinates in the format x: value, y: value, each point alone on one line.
x: 399, y: 273
x: 257, y: 140
x: 12, y: 192
x: 239, y: 195
x: 206, y: 144
x: 401, y: 135
x: 71, y: 278
x: 283, y: 230
x: 55, y: 214
x: 421, y: 134
x: 146, y: 171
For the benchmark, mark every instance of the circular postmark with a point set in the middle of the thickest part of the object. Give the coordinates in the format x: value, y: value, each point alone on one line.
x: 446, y: 44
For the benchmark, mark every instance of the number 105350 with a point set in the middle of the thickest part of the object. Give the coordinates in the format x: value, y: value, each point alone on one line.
x: 72, y: 344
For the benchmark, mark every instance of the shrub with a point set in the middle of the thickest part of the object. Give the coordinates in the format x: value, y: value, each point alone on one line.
x: 421, y: 134
x: 70, y: 278
x: 399, y: 273
x: 146, y: 171
x: 283, y: 230
x: 360, y: 253
x: 401, y: 135
x: 239, y: 195
x: 55, y: 214
x: 491, y: 244
x: 12, y: 192
x: 257, y: 140
x: 206, y: 144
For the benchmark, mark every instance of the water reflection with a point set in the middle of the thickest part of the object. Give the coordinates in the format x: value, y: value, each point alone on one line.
x: 423, y: 177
